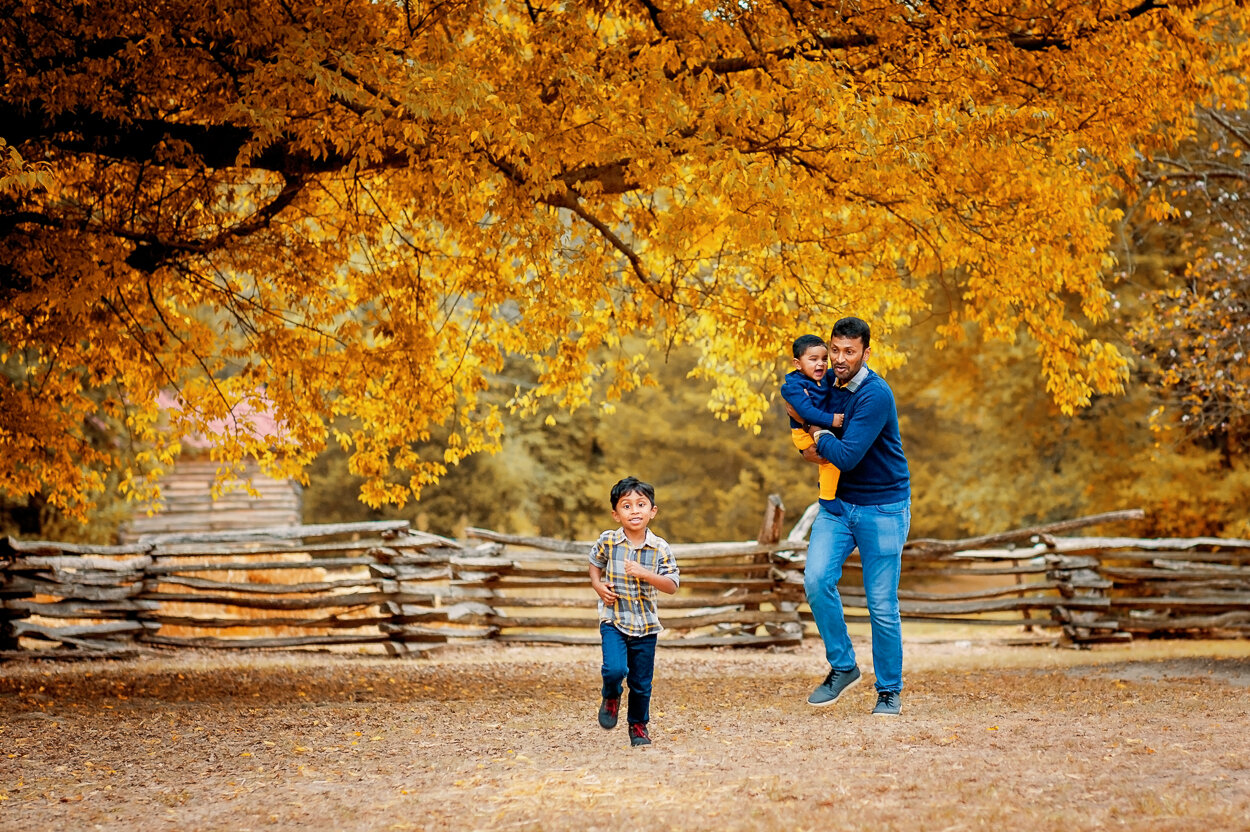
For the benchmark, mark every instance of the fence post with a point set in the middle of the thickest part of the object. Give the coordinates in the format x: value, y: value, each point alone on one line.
x: 9, y: 593
x: 770, y: 532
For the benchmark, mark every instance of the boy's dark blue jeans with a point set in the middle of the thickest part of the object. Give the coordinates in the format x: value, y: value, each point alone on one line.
x: 629, y: 658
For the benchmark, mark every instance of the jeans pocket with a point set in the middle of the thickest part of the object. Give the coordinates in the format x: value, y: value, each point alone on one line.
x: 894, y: 508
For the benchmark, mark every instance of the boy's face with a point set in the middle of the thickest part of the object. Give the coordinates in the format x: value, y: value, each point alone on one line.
x: 634, y: 512
x: 813, y: 362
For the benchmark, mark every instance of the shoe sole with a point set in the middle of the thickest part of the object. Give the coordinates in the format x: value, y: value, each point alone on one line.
x: 850, y: 685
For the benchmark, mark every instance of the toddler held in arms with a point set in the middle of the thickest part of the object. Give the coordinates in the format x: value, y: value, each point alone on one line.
x: 808, y: 390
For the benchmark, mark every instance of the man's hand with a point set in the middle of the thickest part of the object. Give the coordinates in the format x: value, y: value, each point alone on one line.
x: 811, y: 455
x: 794, y: 414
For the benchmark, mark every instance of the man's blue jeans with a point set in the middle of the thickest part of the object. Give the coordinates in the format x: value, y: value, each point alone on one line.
x: 632, y: 658
x: 879, y: 532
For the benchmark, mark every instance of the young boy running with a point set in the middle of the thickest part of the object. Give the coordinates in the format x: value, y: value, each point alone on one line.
x: 627, y: 566
x: 807, y: 390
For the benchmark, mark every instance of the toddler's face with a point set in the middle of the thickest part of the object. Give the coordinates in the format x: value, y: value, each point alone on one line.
x: 813, y: 362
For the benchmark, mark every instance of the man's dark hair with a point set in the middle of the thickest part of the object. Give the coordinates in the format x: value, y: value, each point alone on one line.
x: 852, y: 328
x: 805, y: 342
x: 632, y: 485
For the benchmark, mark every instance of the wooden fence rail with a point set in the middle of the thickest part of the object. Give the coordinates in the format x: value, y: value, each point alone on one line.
x: 405, y: 591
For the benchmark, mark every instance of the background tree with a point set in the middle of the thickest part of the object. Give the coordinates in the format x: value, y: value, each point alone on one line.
x: 1189, y: 273
x: 552, y: 475
x: 1199, y: 339
x: 363, y: 210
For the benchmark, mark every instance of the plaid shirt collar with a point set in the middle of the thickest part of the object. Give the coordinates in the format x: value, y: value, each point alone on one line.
x: 852, y: 386
x: 652, y: 541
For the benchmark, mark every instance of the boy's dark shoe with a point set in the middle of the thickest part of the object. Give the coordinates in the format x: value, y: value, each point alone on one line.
x: 828, y: 691
x: 608, y: 711
x: 638, y: 734
x: 888, y: 703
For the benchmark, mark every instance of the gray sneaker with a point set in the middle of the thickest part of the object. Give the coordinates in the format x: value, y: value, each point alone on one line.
x: 888, y: 703
x: 828, y: 691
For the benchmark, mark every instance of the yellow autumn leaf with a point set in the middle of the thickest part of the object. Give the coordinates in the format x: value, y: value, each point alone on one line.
x: 349, y: 216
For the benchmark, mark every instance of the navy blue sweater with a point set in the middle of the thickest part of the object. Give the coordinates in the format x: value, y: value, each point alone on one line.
x: 870, y: 451
x: 812, y: 399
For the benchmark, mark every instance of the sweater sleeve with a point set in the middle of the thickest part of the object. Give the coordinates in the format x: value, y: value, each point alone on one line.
x: 872, y: 406
x: 809, y: 406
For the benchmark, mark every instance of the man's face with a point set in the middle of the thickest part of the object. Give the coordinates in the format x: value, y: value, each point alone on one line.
x: 846, y: 356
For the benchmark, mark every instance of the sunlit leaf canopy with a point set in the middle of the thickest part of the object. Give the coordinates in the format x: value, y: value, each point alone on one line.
x: 361, y: 209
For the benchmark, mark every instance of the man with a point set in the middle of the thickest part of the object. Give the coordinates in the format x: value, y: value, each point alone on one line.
x: 871, y: 512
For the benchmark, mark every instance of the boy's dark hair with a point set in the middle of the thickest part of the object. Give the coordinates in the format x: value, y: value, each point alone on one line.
x: 805, y: 342
x: 852, y: 328
x: 631, y: 485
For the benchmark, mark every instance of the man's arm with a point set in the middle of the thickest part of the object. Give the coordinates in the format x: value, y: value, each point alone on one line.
x: 873, y: 407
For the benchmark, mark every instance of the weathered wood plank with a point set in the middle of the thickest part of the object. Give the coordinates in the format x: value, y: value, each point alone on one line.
x: 269, y: 589
x: 166, y: 568
x: 774, y: 516
x: 51, y: 547
x: 415, y: 632
x: 929, y: 546
x: 247, y: 549
x: 1129, y: 574
x: 346, y: 600
x: 1239, y: 620
x: 987, y: 605
x: 548, y: 638
x: 553, y: 548
x: 1231, y: 602
x: 80, y: 609
x: 37, y: 563
x: 27, y: 629
x: 732, y: 640
x: 504, y: 583
x: 992, y: 592
x: 329, y: 622
x: 305, y: 532
x: 82, y: 592
x: 690, y: 622
x: 956, y: 569
x: 413, y: 613
x: 589, y: 599
x: 213, y: 642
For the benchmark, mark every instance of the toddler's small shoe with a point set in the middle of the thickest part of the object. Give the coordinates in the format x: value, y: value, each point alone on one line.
x: 638, y: 734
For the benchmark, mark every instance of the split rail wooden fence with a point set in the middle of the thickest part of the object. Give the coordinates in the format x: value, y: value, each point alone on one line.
x: 386, y: 586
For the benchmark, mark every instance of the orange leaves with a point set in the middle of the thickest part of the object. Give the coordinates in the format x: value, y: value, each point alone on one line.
x: 346, y: 212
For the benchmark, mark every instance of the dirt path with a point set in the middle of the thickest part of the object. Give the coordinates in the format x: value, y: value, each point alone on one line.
x: 1151, y: 736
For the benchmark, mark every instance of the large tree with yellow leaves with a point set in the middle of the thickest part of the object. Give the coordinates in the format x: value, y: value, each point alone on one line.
x: 362, y: 208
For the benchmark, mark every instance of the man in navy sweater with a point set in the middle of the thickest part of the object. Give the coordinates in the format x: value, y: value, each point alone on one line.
x: 871, y: 512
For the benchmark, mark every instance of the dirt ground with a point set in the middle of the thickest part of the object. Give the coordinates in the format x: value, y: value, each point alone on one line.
x: 1149, y: 736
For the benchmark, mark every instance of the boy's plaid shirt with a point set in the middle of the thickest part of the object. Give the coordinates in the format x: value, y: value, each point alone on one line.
x: 634, y: 612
